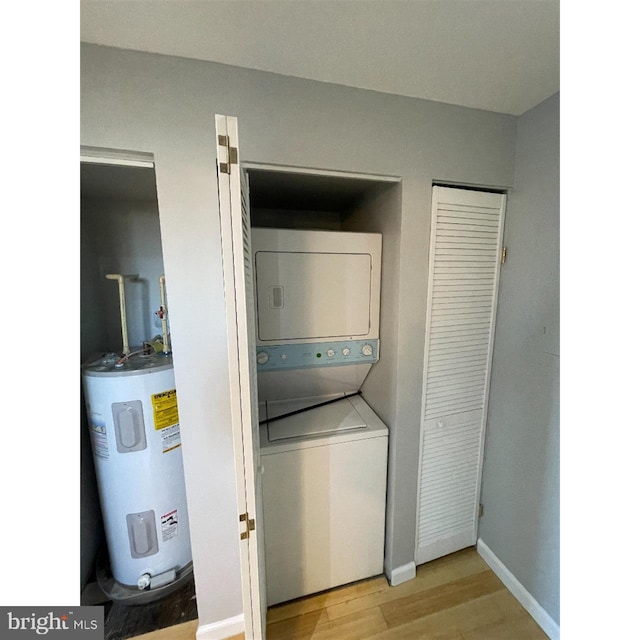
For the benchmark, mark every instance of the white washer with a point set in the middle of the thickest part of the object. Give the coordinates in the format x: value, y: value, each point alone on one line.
x: 324, y: 485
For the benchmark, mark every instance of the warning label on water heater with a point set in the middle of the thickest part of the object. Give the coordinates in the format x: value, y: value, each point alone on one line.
x: 165, y: 409
x: 170, y: 438
x: 169, y: 523
x: 99, y: 439
x: 166, y: 420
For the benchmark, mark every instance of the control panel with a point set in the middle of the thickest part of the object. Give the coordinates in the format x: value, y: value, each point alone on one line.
x: 316, y: 354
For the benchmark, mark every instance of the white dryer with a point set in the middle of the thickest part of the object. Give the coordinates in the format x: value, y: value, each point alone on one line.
x: 323, y: 449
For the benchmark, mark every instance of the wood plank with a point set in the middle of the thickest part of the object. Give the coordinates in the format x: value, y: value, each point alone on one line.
x: 185, y: 631
x: 360, y: 626
x: 445, y: 596
x: 327, y: 599
x: 300, y: 627
x: 476, y: 615
x: 521, y: 628
x: 488, y: 610
x: 447, y: 569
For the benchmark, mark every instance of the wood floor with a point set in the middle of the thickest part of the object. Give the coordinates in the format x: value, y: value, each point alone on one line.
x: 454, y: 598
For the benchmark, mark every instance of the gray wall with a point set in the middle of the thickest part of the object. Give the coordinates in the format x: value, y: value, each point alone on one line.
x: 521, y: 483
x: 381, y: 212
x: 166, y: 106
x: 119, y: 236
x: 93, y: 337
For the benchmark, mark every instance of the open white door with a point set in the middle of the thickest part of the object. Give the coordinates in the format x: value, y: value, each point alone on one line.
x: 239, y: 296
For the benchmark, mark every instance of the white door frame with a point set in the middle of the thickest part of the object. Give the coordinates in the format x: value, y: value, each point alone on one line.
x: 97, y: 155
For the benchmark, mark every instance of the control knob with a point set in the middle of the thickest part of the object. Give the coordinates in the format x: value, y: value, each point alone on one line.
x: 263, y: 357
x: 367, y: 350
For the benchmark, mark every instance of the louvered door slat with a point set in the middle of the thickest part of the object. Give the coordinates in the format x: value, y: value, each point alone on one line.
x: 452, y: 385
x: 441, y: 362
x: 468, y: 388
x: 454, y: 369
x: 440, y: 346
x: 470, y: 333
x: 464, y: 256
x: 471, y: 215
x: 469, y: 240
x: 461, y: 290
x: 461, y: 345
x: 468, y: 323
x: 470, y: 327
x: 463, y: 302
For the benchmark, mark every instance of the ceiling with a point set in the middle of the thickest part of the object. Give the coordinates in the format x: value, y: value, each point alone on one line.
x: 498, y: 55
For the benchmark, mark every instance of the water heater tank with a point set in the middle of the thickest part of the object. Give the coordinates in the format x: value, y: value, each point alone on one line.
x: 135, y: 437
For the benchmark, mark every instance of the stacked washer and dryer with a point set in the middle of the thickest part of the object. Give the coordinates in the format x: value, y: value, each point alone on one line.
x: 323, y: 449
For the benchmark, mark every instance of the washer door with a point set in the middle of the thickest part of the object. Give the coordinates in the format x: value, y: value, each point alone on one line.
x: 333, y: 418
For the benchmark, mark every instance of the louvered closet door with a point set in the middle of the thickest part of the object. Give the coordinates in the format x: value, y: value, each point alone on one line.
x: 465, y: 249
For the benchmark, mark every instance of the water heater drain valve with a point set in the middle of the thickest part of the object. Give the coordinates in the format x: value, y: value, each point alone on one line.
x: 144, y: 581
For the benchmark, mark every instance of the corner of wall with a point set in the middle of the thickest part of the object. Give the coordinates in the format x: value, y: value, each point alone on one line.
x: 400, y: 574
x: 546, y: 622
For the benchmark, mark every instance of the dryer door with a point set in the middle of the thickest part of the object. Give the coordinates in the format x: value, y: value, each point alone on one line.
x: 313, y: 295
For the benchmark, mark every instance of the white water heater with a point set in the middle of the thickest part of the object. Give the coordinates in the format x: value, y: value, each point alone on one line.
x: 135, y: 436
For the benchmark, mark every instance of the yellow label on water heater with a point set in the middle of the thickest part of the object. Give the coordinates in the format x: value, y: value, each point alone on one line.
x: 165, y: 409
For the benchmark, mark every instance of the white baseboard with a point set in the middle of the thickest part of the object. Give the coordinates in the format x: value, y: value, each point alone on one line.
x: 401, y: 574
x: 221, y: 629
x: 546, y: 622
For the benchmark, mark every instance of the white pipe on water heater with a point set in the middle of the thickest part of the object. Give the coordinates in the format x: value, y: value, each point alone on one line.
x: 163, y: 309
x: 123, y: 312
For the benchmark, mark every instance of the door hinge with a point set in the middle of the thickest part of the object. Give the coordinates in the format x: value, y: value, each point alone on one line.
x: 480, y: 510
x: 251, y: 525
x: 503, y: 257
x: 232, y: 153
